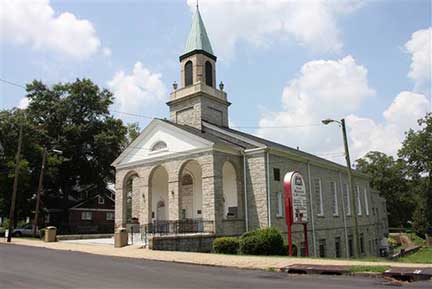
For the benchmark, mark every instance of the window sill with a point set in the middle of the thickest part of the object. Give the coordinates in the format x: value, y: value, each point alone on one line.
x: 320, y: 216
x: 279, y: 217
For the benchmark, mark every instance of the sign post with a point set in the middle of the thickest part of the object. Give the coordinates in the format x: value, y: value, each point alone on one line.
x: 295, y: 206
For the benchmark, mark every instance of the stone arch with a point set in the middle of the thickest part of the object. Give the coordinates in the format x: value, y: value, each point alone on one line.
x: 158, y: 193
x: 188, y: 73
x: 190, y: 190
x: 230, y: 190
x: 129, y: 195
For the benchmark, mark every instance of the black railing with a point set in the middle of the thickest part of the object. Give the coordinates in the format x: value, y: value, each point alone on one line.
x: 177, y: 227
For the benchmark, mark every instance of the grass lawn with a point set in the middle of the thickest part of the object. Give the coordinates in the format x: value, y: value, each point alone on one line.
x: 424, y: 255
x: 376, y: 269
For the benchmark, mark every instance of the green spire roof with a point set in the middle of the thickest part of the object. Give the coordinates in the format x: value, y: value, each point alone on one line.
x: 198, y: 39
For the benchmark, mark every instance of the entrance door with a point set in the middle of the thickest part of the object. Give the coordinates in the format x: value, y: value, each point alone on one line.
x: 160, y: 212
x: 186, y: 202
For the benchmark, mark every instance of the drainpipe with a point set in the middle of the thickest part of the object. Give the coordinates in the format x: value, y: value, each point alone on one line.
x: 343, y: 212
x: 245, y: 192
x: 311, y: 209
x: 268, y: 189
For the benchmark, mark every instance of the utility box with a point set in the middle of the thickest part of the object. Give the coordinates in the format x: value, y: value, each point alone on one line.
x: 50, y: 234
x: 120, y: 238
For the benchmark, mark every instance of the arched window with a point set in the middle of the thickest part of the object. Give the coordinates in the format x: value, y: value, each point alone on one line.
x: 187, y: 180
x: 160, y: 145
x: 209, y: 73
x: 188, y: 73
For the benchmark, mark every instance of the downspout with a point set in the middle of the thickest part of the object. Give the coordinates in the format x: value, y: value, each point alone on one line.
x: 268, y: 190
x: 311, y: 209
x: 343, y: 212
x: 245, y: 192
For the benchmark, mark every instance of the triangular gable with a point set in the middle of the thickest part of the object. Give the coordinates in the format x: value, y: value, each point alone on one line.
x: 176, y: 139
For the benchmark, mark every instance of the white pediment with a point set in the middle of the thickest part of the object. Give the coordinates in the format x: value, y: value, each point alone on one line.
x: 150, y: 144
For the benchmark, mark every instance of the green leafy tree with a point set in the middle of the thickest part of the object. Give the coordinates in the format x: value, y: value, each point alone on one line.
x: 388, y: 178
x: 416, y: 151
x: 71, y: 117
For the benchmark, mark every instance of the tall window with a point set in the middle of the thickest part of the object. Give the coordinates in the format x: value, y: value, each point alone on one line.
x: 346, y: 194
x: 209, y: 73
x: 335, y: 198
x: 319, y: 196
x: 359, y: 206
x: 279, y: 198
x: 276, y: 174
x: 338, y: 247
x: 188, y: 73
x: 366, y: 202
x: 322, y: 248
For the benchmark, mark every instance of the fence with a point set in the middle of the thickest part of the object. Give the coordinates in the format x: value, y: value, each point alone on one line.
x: 178, y: 227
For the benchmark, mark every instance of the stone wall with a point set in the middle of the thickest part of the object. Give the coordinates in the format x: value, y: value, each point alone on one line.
x: 193, y: 243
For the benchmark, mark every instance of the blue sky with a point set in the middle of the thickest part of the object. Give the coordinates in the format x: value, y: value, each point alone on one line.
x: 276, y: 58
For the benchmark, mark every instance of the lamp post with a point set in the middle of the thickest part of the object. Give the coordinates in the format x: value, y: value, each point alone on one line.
x: 350, y: 183
x: 40, y: 186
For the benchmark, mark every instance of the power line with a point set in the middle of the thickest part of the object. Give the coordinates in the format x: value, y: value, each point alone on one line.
x: 152, y: 117
x: 12, y: 83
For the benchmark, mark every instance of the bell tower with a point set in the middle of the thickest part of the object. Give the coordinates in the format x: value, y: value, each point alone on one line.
x: 197, y: 99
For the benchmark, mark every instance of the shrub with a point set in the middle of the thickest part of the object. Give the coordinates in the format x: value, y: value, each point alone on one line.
x: 42, y: 233
x: 267, y: 241
x: 226, y: 245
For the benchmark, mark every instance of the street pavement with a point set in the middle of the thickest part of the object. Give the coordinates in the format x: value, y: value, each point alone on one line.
x: 32, y: 267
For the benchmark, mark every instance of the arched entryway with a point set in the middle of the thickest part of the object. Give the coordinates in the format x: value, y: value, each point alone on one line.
x: 159, y: 194
x: 230, y: 194
x: 190, y: 197
x: 129, y: 190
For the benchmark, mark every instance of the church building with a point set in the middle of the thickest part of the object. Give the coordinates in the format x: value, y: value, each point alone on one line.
x: 192, y: 168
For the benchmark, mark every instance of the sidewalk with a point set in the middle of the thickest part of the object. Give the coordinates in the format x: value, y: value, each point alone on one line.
x: 237, y: 261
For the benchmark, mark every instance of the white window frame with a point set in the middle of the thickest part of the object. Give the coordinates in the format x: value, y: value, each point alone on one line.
x: 279, y: 204
x: 347, y: 199
x: 109, y: 214
x: 321, y: 202
x: 335, y: 198
x: 101, y: 200
x: 366, y: 202
x: 86, y: 216
x: 359, y: 205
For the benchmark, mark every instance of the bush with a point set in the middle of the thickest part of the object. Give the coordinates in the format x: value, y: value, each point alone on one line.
x: 42, y: 233
x: 267, y: 241
x: 226, y: 245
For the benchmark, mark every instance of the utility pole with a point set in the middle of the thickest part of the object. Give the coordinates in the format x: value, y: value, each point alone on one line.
x: 353, y: 195
x: 15, y: 185
x: 39, y: 191
x: 350, y: 184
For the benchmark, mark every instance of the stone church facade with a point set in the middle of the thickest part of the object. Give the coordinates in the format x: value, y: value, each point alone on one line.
x: 195, y: 167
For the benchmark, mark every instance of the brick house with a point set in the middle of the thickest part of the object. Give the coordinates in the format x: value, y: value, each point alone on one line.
x: 195, y: 167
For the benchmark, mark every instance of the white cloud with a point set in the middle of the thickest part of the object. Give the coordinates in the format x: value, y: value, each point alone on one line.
x: 135, y: 91
x: 310, y: 23
x: 332, y: 88
x: 337, y: 89
x: 35, y: 23
x: 420, y: 48
x: 23, y: 103
x: 402, y: 114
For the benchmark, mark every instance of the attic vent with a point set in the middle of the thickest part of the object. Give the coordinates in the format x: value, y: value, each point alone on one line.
x: 160, y: 145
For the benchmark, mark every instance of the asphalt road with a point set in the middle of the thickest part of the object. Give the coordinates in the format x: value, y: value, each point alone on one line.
x: 30, y: 267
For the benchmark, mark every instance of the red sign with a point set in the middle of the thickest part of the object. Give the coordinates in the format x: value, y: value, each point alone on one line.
x: 295, y: 206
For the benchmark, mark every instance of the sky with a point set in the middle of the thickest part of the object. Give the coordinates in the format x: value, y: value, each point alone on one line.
x: 286, y: 65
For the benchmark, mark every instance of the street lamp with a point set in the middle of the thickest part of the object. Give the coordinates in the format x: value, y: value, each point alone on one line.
x: 39, y: 191
x: 350, y: 182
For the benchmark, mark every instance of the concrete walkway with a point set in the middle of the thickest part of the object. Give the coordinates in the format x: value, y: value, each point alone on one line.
x: 236, y: 261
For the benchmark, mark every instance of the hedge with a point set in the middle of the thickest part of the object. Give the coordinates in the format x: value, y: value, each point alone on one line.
x: 226, y: 245
x: 267, y: 241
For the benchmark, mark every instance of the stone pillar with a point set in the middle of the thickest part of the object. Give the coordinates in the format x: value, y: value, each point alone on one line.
x: 136, y: 197
x: 119, y: 201
x: 173, y: 200
x: 146, y: 204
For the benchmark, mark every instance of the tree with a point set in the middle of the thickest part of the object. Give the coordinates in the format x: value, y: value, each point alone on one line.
x: 71, y: 117
x: 388, y: 178
x: 416, y: 151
